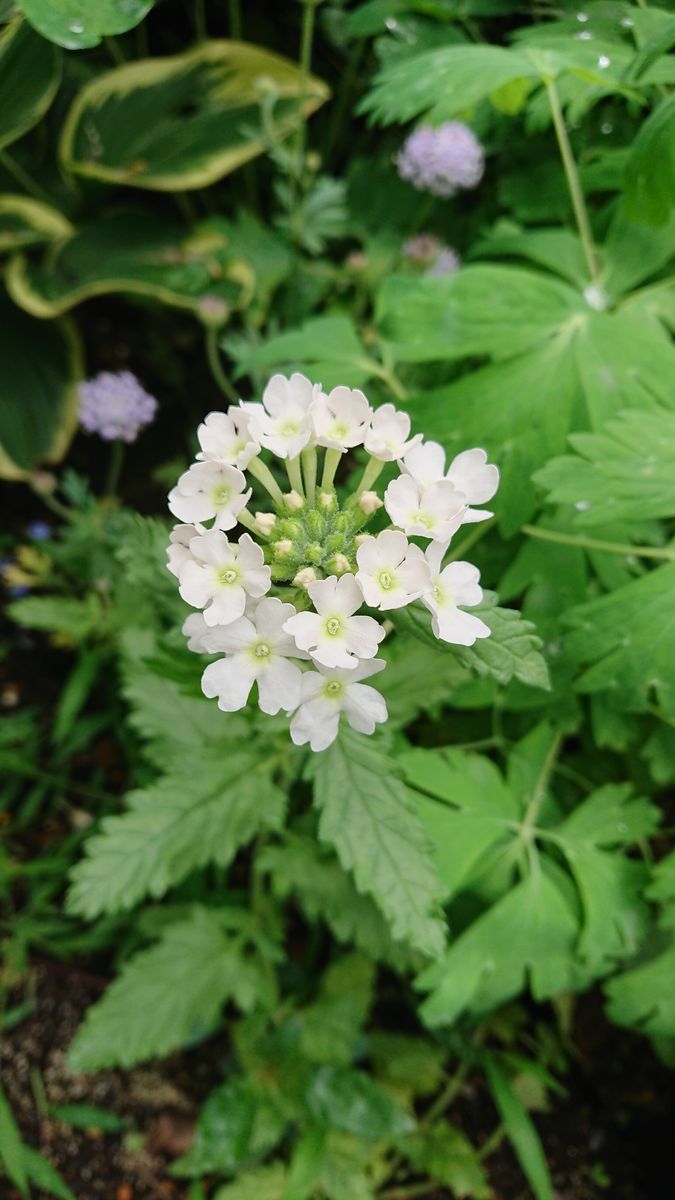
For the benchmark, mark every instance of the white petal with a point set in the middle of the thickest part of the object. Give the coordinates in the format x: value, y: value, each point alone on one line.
x: 231, y: 680
x: 363, y: 636
x: 347, y: 595
x: 364, y: 707
x: 319, y: 728
x: 463, y: 581
x: 471, y: 473
x: 279, y: 686
x: 196, y: 584
x: 425, y: 462
x: 460, y: 628
x: 198, y: 507
x: 227, y: 606
x: 196, y: 630
x: 230, y: 639
x: 304, y: 628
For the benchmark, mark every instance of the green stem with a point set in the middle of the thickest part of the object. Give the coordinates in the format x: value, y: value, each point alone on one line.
x: 262, y: 473
x: 201, y: 31
x: 387, y: 376
x: 294, y: 474
x: 213, y: 357
x: 309, y: 467
x: 115, y: 51
x: 306, y: 39
x: 22, y: 177
x: 330, y: 466
x: 539, y: 792
x: 588, y: 543
x: 114, y: 467
x: 236, y: 27
x: 572, y: 176
x: 373, y: 469
x: 52, y: 503
x: 492, y: 1143
x: 246, y: 519
x: 479, y: 530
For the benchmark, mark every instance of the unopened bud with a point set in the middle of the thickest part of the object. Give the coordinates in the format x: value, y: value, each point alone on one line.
x: 284, y: 547
x: 294, y: 501
x: 43, y: 481
x: 304, y: 577
x: 369, y: 502
x: 361, y: 538
x: 340, y: 563
x: 327, y: 500
x: 265, y: 522
x: 314, y: 552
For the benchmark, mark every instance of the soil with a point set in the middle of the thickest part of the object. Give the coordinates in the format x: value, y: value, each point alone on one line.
x: 610, y: 1136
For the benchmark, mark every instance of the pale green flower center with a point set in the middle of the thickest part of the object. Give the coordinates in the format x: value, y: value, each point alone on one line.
x: 221, y: 495
x: 333, y: 688
x: 441, y: 595
x: 386, y: 580
x: 333, y: 626
x: 229, y: 575
x: 262, y: 650
x: 422, y: 518
x: 338, y: 432
x: 288, y: 428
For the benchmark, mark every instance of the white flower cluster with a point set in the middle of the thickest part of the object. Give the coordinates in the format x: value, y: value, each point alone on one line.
x: 309, y: 647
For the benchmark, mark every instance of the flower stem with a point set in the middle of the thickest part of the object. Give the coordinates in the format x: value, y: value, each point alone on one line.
x: 294, y: 474
x: 588, y: 543
x: 114, y: 467
x: 306, y: 39
x: 213, y: 357
x: 235, y: 19
x: 309, y: 467
x: 330, y: 466
x: 371, y: 473
x: 246, y: 519
x: 572, y: 176
x: 265, y: 477
x: 479, y: 530
x: 201, y: 30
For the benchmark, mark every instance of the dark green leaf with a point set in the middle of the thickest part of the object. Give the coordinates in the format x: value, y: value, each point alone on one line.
x: 30, y: 73
x: 77, y: 24
x: 520, y: 1130
x: 348, y: 1100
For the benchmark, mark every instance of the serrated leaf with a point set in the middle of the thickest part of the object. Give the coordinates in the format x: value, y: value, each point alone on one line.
x: 625, y: 473
x: 202, y: 812
x: 331, y: 1024
x: 166, y: 997
x: 183, y: 121
x: 446, y: 1155
x: 223, y: 1132
x: 644, y: 997
x: 513, y: 651
x: 327, y: 348
x: 300, y: 867
x: 403, y: 1061
x: 417, y: 678
x: 30, y: 73
x: 350, y: 1101
x: 368, y: 815
x: 626, y: 638
x: 70, y: 618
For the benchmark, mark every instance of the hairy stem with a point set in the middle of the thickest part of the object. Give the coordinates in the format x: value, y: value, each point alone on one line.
x: 114, y: 467
x: 294, y: 474
x: 213, y: 358
x: 589, y: 543
x: 572, y: 176
x: 330, y: 465
x: 262, y: 473
x: 306, y: 40
x: 309, y: 468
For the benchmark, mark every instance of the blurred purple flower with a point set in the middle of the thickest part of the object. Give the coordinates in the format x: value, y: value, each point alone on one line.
x: 114, y: 405
x: 443, y: 159
x: 447, y: 262
x: 429, y: 252
x: 39, y: 531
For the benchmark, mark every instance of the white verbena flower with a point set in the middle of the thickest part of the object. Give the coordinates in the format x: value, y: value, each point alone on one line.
x: 388, y: 437
x: 332, y: 634
x: 178, y: 551
x: 451, y: 586
x: 341, y: 418
x: 220, y: 574
x: 257, y: 650
x: 433, y: 512
x: 328, y: 692
x: 226, y: 438
x: 470, y: 472
x: 392, y: 572
x: 197, y: 632
x: 283, y: 423
x: 209, y: 489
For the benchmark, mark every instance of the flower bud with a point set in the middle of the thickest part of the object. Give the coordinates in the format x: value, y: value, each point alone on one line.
x: 315, y: 523
x: 265, y: 522
x: 314, y: 552
x: 304, y: 577
x: 294, y: 501
x: 327, y: 500
x: 340, y: 563
x: 284, y: 547
x: 361, y: 538
x: 369, y: 502
x: 44, y: 481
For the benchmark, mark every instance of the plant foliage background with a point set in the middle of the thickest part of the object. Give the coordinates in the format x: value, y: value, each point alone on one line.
x: 207, y: 195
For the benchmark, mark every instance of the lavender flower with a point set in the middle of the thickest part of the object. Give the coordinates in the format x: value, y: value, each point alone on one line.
x: 429, y: 252
x: 442, y: 160
x: 39, y: 531
x: 114, y: 405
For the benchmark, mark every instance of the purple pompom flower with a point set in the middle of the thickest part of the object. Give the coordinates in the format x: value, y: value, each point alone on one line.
x: 427, y: 251
x: 115, y: 406
x: 442, y: 160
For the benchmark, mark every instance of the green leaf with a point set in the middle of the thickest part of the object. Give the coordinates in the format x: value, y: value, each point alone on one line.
x: 474, y: 816
x: 30, y: 73
x: 201, y: 813
x: 88, y: 1116
x: 327, y: 347
x: 625, y: 473
x: 300, y: 867
x: 331, y: 1025
x: 135, y: 253
x: 482, y: 309
x: 223, y: 1133
x: 405, y: 1062
x: 650, y: 174
x: 12, y: 1150
x: 264, y: 1183
x: 70, y: 618
x: 417, y: 678
x: 77, y: 24
x: 45, y: 1176
x: 168, y: 996
x: 644, y: 997
x: 39, y: 368
x: 368, y: 815
x: 350, y: 1101
x: 446, y: 1155
x: 520, y: 1130
x: 28, y: 222
x: 558, y: 250
x: 184, y: 121
x: 512, y: 652
x: 625, y: 639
